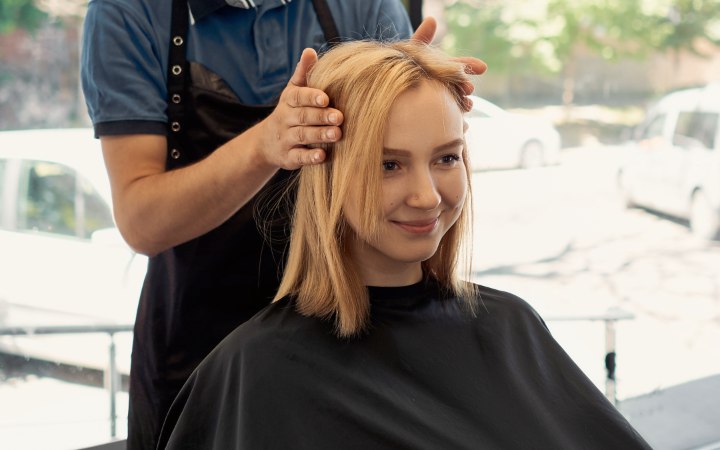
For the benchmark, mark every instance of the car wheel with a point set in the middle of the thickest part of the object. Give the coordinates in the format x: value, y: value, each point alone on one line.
x: 532, y: 155
x: 704, y: 220
x: 623, y: 193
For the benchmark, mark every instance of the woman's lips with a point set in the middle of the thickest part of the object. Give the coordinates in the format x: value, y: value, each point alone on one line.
x: 418, y: 226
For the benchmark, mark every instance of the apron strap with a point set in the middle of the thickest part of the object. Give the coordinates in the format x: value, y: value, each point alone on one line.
x: 332, y: 37
x: 177, y: 78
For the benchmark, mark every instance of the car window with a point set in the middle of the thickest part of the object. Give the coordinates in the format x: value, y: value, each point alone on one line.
x: 654, y: 128
x: 95, y: 212
x: 696, y: 130
x: 53, y: 199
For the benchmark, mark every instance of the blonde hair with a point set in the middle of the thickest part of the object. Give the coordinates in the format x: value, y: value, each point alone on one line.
x: 362, y: 79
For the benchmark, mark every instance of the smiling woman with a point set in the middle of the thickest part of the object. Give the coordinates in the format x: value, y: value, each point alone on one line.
x: 403, y: 144
x: 423, y: 189
x: 374, y: 340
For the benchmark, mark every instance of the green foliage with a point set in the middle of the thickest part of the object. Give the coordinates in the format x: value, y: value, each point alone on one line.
x: 484, y: 32
x: 688, y: 21
x: 611, y: 28
x: 522, y: 36
x: 22, y: 14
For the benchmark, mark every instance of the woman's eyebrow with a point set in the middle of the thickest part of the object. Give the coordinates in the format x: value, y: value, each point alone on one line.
x: 406, y: 153
x: 396, y: 152
x: 450, y: 145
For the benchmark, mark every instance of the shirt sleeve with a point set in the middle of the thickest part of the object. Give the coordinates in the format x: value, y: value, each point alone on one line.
x: 122, y: 72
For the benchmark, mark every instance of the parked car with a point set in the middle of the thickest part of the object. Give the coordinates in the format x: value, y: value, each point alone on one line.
x: 498, y: 139
x: 60, y: 248
x: 673, y: 163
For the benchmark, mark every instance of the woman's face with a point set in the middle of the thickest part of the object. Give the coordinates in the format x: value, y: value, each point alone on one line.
x: 423, y: 189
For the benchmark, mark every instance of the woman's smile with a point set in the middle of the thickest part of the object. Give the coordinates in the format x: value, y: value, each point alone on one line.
x: 418, y: 226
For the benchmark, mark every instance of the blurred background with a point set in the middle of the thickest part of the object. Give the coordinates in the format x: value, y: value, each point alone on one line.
x: 595, y: 146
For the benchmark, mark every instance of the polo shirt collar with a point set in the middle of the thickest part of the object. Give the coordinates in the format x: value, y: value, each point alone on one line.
x: 201, y: 8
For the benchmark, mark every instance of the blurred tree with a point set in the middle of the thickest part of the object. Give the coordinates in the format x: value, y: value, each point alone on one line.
x: 545, y: 36
x: 485, y: 29
x: 685, y: 25
x: 39, y: 76
x: 610, y: 28
x: 23, y: 14
x: 64, y: 9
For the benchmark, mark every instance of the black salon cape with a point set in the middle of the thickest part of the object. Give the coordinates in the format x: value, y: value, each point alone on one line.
x: 426, y: 376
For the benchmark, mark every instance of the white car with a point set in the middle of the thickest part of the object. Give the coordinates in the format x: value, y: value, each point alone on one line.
x: 59, y: 247
x: 673, y: 164
x: 498, y: 139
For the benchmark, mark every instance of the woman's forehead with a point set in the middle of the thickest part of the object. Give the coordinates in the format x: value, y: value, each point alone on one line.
x: 425, y: 115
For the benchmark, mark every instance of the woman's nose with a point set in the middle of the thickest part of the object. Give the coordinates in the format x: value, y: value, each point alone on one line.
x: 423, y: 192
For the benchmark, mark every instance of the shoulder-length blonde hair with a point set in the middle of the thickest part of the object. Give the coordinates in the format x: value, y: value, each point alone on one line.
x: 362, y: 79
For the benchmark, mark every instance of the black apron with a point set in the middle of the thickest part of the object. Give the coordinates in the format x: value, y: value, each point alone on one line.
x: 195, y: 294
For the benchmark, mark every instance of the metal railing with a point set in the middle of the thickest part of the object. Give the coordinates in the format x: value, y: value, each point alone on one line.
x: 39, y: 321
x: 610, y: 317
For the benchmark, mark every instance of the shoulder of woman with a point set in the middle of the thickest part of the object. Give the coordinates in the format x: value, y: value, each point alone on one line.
x: 494, y: 302
x: 272, y: 327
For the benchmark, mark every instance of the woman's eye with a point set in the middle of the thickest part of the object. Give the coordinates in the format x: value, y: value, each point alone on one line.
x: 390, y: 165
x: 450, y: 159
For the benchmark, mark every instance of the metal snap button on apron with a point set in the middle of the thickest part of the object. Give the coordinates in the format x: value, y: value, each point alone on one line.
x: 176, y: 70
x: 175, y: 153
x: 176, y: 99
x: 178, y: 41
x: 175, y: 126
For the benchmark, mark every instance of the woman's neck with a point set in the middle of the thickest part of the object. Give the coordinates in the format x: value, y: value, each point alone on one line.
x: 400, y: 275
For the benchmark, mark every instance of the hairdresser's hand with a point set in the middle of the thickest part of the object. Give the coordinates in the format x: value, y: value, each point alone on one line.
x: 301, y: 120
x: 473, y: 66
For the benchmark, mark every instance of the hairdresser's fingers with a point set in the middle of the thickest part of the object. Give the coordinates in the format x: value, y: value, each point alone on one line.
x: 297, y: 97
x: 290, y: 147
x: 467, y: 104
x: 301, y: 120
x: 426, y: 31
x: 473, y: 66
x: 296, y: 93
x: 304, y: 116
x: 307, y: 59
x: 308, y: 136
x: 306, y: 157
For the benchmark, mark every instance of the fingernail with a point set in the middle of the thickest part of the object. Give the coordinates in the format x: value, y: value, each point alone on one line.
x: 332, y: 118
x: 330, y: 134
x: 319, y: 100
x: 316, y: 157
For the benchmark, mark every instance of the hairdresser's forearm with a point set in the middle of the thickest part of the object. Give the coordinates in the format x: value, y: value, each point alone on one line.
x: 157, y: 209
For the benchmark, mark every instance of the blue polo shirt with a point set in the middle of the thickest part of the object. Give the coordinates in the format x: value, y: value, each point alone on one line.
x: 255, y: 50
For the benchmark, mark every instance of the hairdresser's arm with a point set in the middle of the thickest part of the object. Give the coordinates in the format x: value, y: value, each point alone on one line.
x: 157, y: 209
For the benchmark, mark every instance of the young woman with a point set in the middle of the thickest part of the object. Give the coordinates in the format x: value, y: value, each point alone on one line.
x: 374, y: 341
